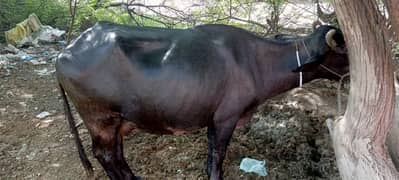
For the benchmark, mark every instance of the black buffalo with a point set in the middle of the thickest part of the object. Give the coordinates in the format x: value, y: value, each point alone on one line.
x: 170, y: 81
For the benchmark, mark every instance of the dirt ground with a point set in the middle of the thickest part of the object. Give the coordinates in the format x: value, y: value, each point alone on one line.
x: 288, y: 132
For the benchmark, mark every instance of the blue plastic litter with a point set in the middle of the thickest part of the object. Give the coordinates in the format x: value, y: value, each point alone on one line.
x: 253, y: 165
x: 62, y: 43
x: 27, y: 57
x: 45, y: 53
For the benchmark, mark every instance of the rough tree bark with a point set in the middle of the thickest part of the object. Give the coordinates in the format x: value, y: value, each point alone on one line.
x: 393, y: 136
x: 359, y: 136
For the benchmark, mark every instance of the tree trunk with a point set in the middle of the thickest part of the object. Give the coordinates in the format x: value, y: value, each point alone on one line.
x: 392, y: 140
x: 393, y: 135
x: 359, y: 136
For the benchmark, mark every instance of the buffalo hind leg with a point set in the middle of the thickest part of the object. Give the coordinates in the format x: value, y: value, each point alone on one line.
x: 219, y: 137
x: 211, y: 144
x: 108, y: 149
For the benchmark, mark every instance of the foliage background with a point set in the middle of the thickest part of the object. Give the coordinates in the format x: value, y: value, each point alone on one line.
x: 261, y: 16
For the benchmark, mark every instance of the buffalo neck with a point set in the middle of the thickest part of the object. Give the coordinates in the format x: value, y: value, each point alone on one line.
x: 275, y: 65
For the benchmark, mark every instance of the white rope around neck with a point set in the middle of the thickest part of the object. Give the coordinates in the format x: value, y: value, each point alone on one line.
x: 342, y: 77
x: 299, y: 65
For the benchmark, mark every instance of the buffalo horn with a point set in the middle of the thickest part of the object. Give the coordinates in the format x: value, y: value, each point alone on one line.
x: 329, y: 38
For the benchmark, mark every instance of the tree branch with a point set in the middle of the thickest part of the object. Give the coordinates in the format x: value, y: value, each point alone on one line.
x: 130, y: 7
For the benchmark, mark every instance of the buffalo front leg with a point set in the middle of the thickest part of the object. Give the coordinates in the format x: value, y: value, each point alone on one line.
x: 108, y: 149
x: 219, y: 137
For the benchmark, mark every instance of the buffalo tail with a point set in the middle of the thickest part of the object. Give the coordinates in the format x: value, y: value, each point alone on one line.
x: 72, y: 125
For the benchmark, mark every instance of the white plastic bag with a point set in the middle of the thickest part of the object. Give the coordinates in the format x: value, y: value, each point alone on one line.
x: 253, y: 165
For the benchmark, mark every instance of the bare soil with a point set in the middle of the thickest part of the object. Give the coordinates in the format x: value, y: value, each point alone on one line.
x: 288, y: 132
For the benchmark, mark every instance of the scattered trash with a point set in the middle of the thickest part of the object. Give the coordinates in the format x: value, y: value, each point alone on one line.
x: 22, y: 31
x: 23, y: 104
x: 45, y: 53
x: 36, y: 62
x: 6, y: 64
x: 62, y: 43
x: 27, y: 96
x: 44, y: 72
x: 50, y: 34
x: 3, y: 61
x: 27, y: 57
x: 56, y: 165
x: 12, y: 49
x: 32, y: 155
x: 253, y: 165
x: 43, y: 115
x: 44, y: 123
x: 31, y: 31
x: 13, y: 56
